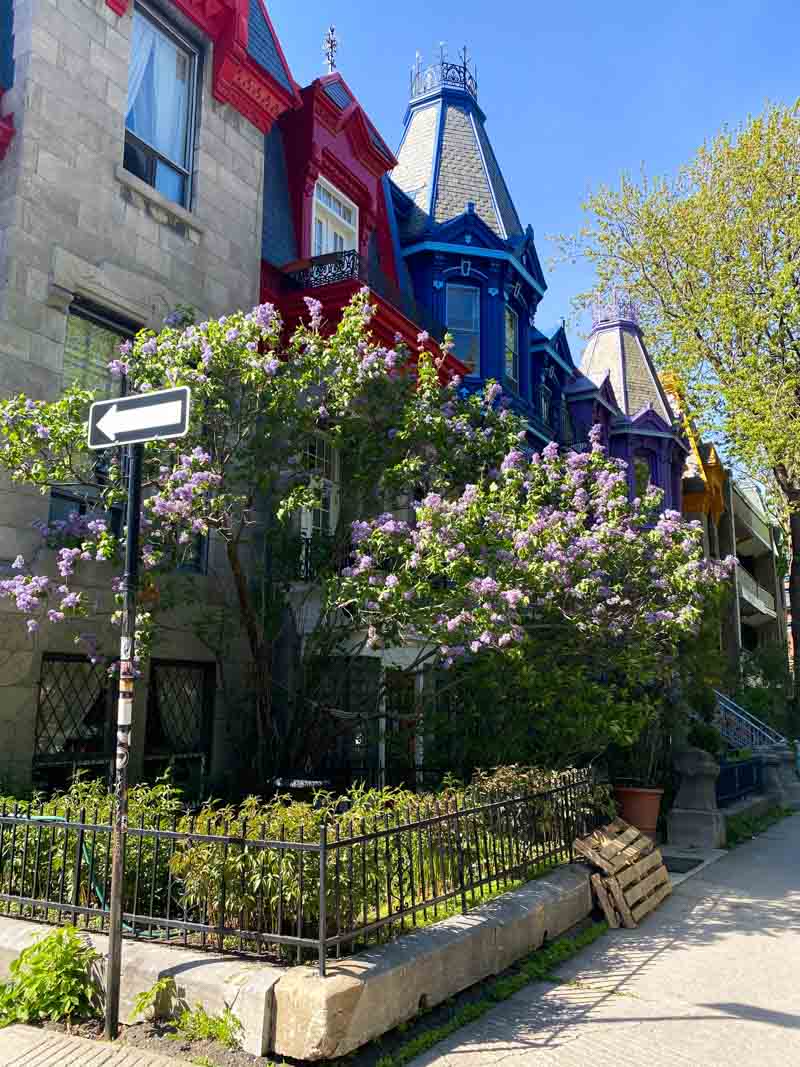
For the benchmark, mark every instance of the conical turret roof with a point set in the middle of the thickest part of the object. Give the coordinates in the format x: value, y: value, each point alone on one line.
x: 445, y: 160
x: 616, y: 350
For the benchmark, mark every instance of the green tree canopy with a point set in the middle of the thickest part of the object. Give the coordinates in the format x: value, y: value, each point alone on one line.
x: 711, y: 258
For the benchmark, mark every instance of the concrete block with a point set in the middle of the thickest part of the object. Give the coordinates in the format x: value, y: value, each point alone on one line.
x: 216, y: 982
x: 363, y: 997
x: 695, y: 828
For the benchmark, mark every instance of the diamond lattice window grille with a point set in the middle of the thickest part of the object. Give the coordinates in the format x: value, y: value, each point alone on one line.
x: 73, y: 712
x: 179, y: 701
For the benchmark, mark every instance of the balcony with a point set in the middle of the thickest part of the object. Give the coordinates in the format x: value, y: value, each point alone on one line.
x: 351, y: 266
x: 757, y: 603
x: 752, y: 532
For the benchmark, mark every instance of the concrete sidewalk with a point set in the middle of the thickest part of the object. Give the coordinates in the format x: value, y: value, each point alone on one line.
x: 712, y: 979
x: 28, y: 1046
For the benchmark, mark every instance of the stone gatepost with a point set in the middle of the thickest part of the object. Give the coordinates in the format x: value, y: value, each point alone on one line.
x: 788, y: 775
x: 773, y: 782
x: 695, y: 820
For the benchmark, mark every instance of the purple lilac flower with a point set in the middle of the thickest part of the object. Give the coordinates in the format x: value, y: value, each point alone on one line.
x: 315, y: 311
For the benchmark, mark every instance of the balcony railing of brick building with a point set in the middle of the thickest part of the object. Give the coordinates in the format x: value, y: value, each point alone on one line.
x: 351, y: 266
x: 756, y: 595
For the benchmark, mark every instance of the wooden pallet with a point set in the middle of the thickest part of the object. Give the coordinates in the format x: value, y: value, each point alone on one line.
x: 634, y: 879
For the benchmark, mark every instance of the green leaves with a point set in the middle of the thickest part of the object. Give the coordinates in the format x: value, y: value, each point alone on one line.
x: 52, y: 980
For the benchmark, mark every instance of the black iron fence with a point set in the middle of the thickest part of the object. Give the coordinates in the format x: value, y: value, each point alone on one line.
x: 739, y: 779
x: 310, y: 889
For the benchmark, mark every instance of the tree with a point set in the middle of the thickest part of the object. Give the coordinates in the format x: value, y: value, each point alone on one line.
x: 242, y: 473
x: 711, y: 258
x: 578, y: 597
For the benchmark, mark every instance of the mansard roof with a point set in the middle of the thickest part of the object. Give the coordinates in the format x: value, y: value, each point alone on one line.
x: 446, y: 161
x: 616, y: 350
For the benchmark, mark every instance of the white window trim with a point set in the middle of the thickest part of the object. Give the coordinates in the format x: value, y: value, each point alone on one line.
x: 508, y: 310
x: 324, y: 214
x: 333, y: 484
x: 477, y: 332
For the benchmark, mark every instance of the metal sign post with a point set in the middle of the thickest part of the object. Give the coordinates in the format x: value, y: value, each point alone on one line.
x: 130, y: 421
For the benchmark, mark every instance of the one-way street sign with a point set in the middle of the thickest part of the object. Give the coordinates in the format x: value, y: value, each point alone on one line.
x: 128, y: 420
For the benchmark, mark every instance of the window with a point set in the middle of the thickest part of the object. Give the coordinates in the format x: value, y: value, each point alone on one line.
x: 159, y: 126
x: 92, y: 341
x: 464, y: 323
x: 335, y: 226
x: 512, y: 346
x: 320, y: 459
x: 545, y: 398
x: 642, y: 475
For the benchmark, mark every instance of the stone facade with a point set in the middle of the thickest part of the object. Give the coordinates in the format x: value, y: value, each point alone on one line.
x: 76, y: 226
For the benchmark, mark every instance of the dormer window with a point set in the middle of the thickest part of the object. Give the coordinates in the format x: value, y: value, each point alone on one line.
x: 335, y: 221
x: 464, y: 323
x: 512, y: 346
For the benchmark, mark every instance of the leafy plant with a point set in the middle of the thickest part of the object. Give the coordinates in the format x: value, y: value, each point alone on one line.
x: 704, y: 735
x: 196, y: 1024
x: 52, y: 980
x: 156, y: 1002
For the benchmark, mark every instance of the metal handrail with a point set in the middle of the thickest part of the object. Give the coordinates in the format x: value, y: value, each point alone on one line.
x: 747, y: 727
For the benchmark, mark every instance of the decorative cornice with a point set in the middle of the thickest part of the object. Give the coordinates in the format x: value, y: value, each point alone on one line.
x: 335, y: 171
x: 6, y: 129
x: 238, y: 79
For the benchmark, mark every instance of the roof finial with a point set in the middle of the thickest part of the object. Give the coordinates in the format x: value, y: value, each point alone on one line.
x: 330, y: 46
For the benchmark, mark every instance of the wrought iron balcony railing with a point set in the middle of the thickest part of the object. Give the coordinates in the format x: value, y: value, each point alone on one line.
x: 352, y: 266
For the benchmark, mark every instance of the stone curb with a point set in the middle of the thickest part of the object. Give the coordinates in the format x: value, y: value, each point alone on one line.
x: 363, y: 997
x: 294, y: 1012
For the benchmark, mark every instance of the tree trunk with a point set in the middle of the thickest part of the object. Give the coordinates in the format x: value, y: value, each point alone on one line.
x: 261, y: 652
x: 794, y: 607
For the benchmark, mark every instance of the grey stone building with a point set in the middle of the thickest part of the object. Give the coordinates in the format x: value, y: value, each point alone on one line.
x: 131, y: 171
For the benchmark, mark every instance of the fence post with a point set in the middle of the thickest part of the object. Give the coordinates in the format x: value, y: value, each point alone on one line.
x: 76, y: 887
x: 323, y: 897
x: 460, y: 856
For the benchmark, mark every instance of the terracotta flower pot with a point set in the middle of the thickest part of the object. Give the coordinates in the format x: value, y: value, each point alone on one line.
x: 639, y: 807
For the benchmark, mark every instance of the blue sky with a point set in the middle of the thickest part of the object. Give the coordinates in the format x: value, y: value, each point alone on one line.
x: 574, y: 92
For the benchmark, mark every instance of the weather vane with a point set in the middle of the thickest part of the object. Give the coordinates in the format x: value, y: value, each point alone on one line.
x: 330, y: 46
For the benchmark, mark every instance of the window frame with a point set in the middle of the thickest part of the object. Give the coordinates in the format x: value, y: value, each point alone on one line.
x: 126, y: 330
x: 328, y: 481
x: 152, y: 154
x: 475, y: 291
x: 325, y: 216
x: 513, y: 379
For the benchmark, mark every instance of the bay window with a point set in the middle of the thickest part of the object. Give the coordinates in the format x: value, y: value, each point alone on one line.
x: 464, y: 324
x: 159, y: 123
x: 335, y: 221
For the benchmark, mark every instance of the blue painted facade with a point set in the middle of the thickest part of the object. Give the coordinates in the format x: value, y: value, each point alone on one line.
x: 461, y: 239
x: 6, y: 44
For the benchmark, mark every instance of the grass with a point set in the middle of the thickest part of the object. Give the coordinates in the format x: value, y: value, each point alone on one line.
x: 198, y: 1025
x: 536, y: 967
x: 744, y: 827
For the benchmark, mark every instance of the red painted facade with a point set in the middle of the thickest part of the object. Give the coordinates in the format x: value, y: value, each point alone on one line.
x: 6, y: 130
x: 340, y: 144
x: 238, y: 79
x: 322, y: 140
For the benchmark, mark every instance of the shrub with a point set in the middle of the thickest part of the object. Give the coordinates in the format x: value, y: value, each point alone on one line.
x: 52, y: 980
